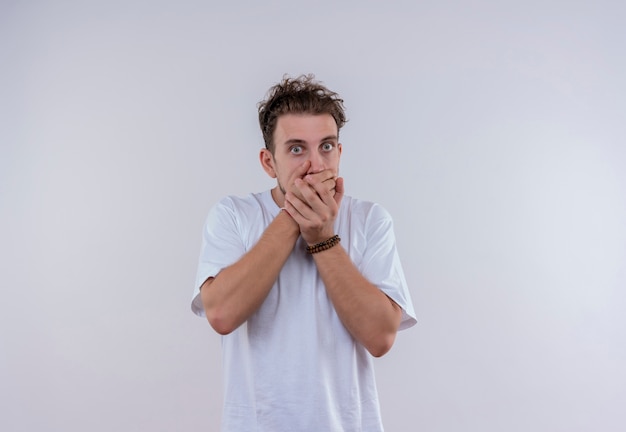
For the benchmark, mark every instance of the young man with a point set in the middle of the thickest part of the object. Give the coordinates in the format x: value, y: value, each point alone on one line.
x: 303, y: 282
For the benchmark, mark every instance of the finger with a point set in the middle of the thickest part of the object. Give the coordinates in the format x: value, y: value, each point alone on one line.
x: 305, y: 192
x: 298, y: 173
x: 339, y: 190
x: 323, y: 183
x: 324, y: 190
x: 298, y: 209
x: 322, y: 206
x: 315, y: 226
x: 320, y: 177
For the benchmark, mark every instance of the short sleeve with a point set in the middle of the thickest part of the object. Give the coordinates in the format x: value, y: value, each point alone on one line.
x: 222, y: 246
x: 381, y: 263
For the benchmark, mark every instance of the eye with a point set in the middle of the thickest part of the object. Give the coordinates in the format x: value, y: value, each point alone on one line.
x: 295, y: 149
x: 327, y: 147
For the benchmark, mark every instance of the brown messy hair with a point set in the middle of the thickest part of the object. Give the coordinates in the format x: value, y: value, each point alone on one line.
x: 301, y: 95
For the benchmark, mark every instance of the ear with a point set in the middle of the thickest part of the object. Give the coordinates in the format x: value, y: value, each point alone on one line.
x: 340, y: 148
x: 267, y: 162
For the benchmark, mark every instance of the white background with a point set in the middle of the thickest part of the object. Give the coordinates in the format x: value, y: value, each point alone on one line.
x: 492, y: 131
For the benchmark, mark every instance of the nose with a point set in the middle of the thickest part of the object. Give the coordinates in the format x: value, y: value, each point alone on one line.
x: 317, y: 163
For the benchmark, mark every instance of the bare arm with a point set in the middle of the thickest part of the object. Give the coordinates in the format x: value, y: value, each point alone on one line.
x: 238, y: 291
x: 368, y: 314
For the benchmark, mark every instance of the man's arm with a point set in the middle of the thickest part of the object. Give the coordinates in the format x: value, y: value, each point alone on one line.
x: 231, y: 297
x: 370, y: 316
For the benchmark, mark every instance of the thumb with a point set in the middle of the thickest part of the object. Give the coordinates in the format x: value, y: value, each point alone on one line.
x: 339, y: 190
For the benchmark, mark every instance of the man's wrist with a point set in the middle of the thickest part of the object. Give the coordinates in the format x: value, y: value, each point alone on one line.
x: 285, y: 218
x: 323, y: 245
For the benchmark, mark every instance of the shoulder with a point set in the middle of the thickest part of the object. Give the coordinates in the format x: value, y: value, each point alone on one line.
x: 363, y: 219
x: 238, y: 208
x: 249, y: 203
x: 367, y: 211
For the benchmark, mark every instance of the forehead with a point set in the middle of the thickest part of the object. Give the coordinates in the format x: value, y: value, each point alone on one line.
x: 305, y: 127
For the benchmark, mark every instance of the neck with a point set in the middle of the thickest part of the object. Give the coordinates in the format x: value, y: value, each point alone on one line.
x: 278, y: 197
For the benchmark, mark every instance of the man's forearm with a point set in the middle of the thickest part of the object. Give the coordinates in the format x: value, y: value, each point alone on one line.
x: 370, y: 316
x: 239, y: 290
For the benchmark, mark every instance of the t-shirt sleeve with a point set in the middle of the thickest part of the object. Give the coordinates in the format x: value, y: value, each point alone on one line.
x: 221, y: 246
x: 381, y: 263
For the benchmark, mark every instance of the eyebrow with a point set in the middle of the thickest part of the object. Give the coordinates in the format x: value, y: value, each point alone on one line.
x: 330, y: 138
x: 300, y: 141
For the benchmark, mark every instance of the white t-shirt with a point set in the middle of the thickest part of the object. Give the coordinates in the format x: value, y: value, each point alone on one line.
x: 293, y: 366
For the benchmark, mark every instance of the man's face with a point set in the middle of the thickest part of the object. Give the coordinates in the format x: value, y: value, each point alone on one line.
x: 299, y: 138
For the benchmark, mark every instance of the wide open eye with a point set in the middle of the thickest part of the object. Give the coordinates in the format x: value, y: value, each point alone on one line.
x: 296, y: 149
x: 327, y: 146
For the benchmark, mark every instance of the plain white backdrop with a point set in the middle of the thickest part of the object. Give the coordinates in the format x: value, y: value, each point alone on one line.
x: 492, y: 131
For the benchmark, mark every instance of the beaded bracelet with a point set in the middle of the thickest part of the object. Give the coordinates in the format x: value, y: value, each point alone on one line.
x: 325, y: 245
